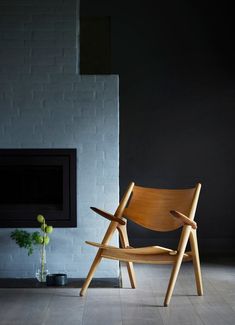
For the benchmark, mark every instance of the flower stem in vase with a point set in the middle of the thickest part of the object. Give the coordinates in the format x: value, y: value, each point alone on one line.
x: 42, y: 262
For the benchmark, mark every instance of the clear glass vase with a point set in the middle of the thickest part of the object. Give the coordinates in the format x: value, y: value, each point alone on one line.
x: 41, y: 270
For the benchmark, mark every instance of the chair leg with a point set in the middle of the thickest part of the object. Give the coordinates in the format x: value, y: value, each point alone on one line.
x: 176, y: 267
x: 125, y: 243
x: 112, y: 227
x: 131, y: 273
x: 173, y: 278
x: 196, y: 262
x: 91, y: 272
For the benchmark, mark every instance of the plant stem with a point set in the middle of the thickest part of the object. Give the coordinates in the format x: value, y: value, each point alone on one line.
x: 42, y: 261
x: 43, y: 254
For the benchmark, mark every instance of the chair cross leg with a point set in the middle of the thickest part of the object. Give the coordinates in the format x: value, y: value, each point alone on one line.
x: 125, y: 243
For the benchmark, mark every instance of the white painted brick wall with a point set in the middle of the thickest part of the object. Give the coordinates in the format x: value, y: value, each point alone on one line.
x: 44, y: 33
x: 44, y: 103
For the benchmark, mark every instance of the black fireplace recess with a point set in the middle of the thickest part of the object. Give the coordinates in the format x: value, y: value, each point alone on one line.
x: 38, y: 181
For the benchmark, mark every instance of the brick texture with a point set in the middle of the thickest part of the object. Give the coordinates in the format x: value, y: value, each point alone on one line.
x: 45, y: 103
x: 40, y: 35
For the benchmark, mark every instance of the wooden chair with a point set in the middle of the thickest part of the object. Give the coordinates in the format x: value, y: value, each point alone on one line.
x: 159, y: 210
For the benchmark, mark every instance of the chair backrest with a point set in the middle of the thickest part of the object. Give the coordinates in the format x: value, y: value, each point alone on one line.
x: 150, y: 207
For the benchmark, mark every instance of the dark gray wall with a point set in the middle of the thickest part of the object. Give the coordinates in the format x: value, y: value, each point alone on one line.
x: 177, y: 102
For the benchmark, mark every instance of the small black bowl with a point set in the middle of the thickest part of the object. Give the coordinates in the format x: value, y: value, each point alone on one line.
x: 58, y: 279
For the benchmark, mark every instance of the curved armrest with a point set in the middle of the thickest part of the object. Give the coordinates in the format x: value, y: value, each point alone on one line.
x: 108, y: 216
x: 184, y: 219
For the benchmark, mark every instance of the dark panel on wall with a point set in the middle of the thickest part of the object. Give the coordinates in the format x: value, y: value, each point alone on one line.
x: 95, y: 46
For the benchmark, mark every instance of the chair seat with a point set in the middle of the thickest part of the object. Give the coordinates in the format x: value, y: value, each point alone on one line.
x: 149, y: 255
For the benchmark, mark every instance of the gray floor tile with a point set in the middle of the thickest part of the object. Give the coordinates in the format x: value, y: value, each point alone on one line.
x: 126, y: 306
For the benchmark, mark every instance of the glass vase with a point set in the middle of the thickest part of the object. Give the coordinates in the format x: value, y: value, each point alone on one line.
x: 41, y: 270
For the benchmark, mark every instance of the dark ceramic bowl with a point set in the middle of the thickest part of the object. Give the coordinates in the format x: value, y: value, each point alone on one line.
x: 57, y: 279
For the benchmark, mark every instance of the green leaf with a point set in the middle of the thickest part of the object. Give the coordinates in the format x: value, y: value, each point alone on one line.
x: 25, y: 239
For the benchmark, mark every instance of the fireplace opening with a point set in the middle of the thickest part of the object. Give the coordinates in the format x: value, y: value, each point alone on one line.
x: 40, y: 185
x: 37, y: 181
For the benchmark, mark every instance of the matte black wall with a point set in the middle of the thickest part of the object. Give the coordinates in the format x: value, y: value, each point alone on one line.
x: 177, y: 105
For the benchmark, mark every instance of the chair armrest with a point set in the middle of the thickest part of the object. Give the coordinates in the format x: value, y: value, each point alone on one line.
x: 108, y: 216
x: 184, y: 219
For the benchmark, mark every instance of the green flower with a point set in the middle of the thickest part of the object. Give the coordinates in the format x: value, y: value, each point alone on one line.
x: 49, y: 229
x: 40, y: 218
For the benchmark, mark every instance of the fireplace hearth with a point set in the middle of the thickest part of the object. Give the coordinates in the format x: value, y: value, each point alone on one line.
x: 37, y: 181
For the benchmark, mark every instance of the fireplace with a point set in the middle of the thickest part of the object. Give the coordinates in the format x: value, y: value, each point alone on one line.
x: 38, y: 181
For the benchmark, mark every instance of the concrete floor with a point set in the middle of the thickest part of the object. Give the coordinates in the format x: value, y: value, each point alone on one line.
x: 141, y: 306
